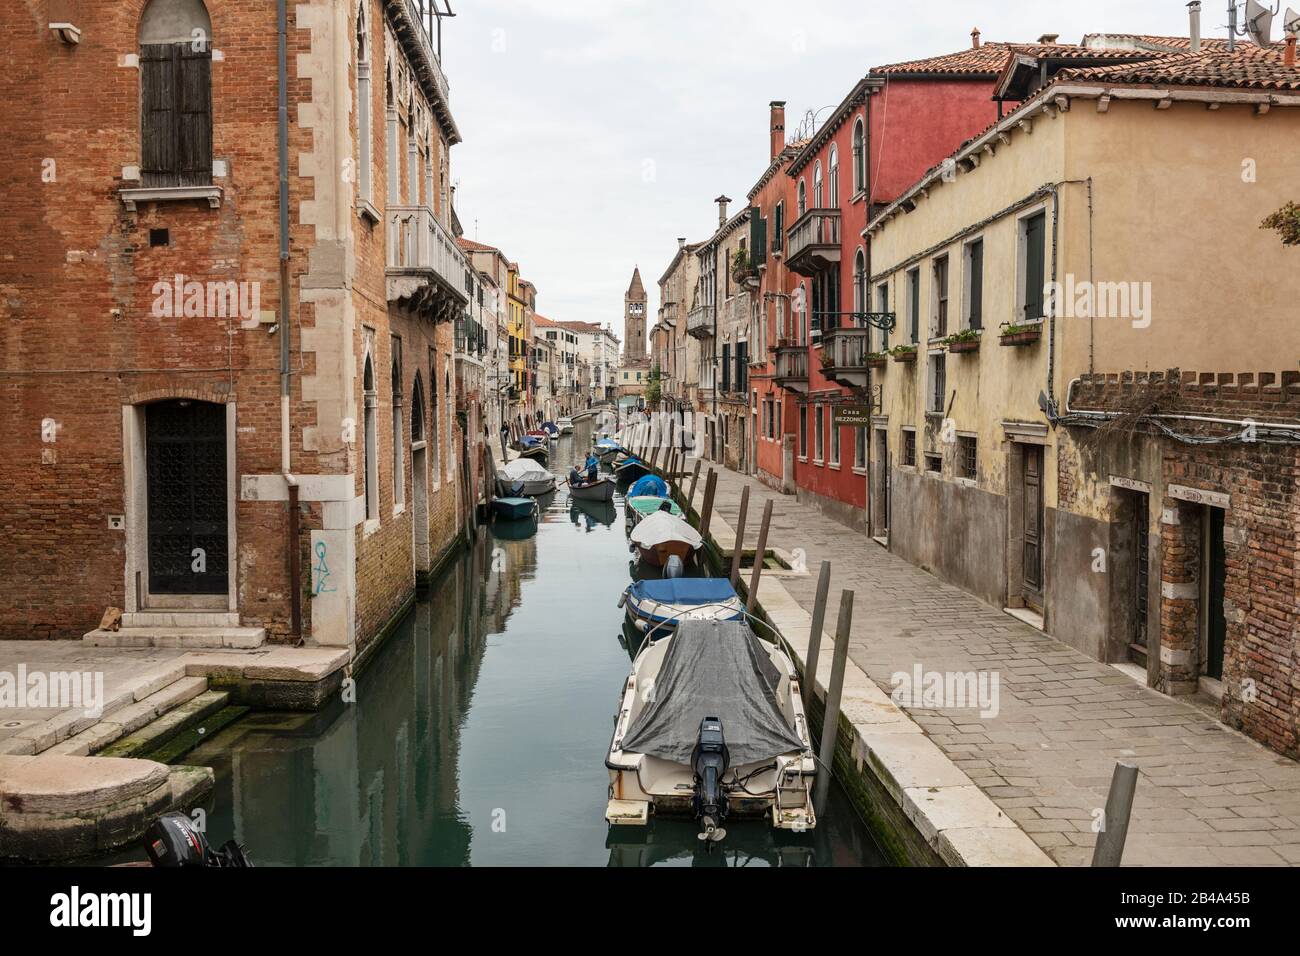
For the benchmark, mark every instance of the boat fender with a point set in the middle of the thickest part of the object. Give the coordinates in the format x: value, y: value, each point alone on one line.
x: 622, y: 599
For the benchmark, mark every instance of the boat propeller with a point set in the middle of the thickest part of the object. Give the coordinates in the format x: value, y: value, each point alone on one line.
x: 710, y: 760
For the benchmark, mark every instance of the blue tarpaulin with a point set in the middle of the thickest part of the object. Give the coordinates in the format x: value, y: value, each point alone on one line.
x: 649, y: 486
x: 684, y: 591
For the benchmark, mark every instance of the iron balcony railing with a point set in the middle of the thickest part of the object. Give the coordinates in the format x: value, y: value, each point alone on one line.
x: 814, y: 241
x: 792, y: 363
x: 848, y: 347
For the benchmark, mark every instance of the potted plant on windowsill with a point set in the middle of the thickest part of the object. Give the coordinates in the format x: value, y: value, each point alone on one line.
x: 877, y: 360
x: 827, y: 359
x: 904, y: 353
x: 966, y: 340
x: 1016, y: 334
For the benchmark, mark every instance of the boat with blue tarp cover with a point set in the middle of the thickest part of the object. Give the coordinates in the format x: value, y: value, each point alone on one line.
x: 657, y: 606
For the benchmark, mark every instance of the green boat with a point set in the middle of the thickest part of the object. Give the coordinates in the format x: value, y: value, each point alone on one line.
x: 638, y: 508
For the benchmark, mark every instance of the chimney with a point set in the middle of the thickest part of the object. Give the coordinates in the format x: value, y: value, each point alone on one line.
x: 722, y: 202
x: 778, y: 127
x: 1049, y: 38
x: 1194, y: 15
x: 1289, y: 57
x: 975, y: 38
x: 681, y: 242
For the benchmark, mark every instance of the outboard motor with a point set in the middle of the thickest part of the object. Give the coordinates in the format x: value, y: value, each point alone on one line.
x: 710, y: 760
x: 173, y: 841
x: 674, y: 568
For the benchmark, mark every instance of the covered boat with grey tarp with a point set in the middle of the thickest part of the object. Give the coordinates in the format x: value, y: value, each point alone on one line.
x: 711, y: 725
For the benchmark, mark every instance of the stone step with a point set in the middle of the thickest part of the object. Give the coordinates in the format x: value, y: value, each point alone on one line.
x: 180, y: 618
x: 142, y: 742
x: 241, y: 638
x: 131, y: 718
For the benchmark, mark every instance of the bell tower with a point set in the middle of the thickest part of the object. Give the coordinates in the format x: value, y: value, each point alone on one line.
x: 634, y: 313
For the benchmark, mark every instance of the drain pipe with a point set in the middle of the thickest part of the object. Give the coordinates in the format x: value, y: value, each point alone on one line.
x: 295, y: 569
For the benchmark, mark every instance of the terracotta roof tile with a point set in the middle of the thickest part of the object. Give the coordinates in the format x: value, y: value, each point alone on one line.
x: 1248, y: 68
x: 984, y: 60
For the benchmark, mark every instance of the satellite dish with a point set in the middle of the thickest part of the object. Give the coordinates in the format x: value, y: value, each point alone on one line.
x: 1259, y: 23
x: 1291, y: 22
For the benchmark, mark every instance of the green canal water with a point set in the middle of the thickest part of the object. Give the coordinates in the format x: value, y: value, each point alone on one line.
x: 479, y: 729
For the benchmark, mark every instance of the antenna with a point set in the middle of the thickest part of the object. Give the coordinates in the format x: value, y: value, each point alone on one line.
x: 1291, y: 22
x: 1259, y: 22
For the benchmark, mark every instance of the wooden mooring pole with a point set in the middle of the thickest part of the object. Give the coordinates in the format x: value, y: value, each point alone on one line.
x: 706, y: 512
x: 831, y: 718
x: 739, y: 549
x: 751, y: 599
x: 1109, y: 850
x: 695, y: 477
x: 815, y: 635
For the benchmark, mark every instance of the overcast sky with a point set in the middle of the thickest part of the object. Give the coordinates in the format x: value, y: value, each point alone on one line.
x: 598, y: 131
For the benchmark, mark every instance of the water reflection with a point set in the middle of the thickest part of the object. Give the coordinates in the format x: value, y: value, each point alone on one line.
x: 479, y: 730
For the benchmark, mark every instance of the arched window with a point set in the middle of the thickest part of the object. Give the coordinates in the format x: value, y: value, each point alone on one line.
x: 364, y: 133
x: 803, y: 197
x: 417, y: 409
x: 860, y: 283
x: 817, y: 185
x: 834, y: 172
x: 371, y: 437
x: 859, y: 158
x: 399, y: 430
x: 175, y: 94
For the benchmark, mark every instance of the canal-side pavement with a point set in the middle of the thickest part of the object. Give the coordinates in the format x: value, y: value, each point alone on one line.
x: 1206, y: 795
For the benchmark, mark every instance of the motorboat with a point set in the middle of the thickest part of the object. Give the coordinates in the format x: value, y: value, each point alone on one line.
x: 607, y: 450
x: 514, y: 509
x: 551, y: 429
x: 602, y: 489
x: 662, y: 535
x: 656, y: 607
x: 524, y: 477
x: 710, y: 725
x: 533, y: 448
x: 566, y: 426
x: 639, y: 507
x: 630, y: 469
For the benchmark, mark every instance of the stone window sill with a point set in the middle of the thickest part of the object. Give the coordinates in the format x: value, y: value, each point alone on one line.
x: 134, y: 196
x: 366, y: 210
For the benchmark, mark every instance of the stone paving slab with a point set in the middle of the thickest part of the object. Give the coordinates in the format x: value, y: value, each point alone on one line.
x: 1206, y: 796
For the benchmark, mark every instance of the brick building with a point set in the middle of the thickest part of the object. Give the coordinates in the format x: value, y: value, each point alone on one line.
x: 219, y: 355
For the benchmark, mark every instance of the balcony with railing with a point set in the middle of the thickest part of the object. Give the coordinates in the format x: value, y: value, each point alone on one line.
x: 416, y: 25
x: 792, y: 368
x: 845, y: 352
x: 699, y: 322
x: 814, y: 242
x: 424, y: 262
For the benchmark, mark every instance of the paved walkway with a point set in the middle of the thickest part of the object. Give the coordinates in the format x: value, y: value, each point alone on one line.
x: 1206, y: 795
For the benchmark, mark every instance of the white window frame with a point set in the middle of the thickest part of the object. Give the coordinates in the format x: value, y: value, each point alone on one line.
x: 1022, y: 258
x: 833, y: 176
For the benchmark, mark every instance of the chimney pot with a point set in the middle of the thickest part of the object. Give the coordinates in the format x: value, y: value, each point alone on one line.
x: 723, y: 202
x: 1289, y: 58
x: 1049, y: 38
x: 777, y: 127
x: 1194, y: 16
x: 975, y: 38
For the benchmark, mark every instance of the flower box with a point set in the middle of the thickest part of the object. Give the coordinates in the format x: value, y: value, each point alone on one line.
x: 964, y: 345
x: 876, y: 361
x: 907, y: 357
x: 1021, y: 337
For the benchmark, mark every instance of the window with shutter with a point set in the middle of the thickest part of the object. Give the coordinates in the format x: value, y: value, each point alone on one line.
x: 1034, y: 234
x: 175, y: 94
x: 726, y: 368
x: 757, y: 237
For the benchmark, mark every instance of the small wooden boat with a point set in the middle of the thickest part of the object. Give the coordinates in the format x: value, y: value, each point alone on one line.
x: 607, y: 450
x: 656, y: 607
x: 514, y: 509
x: 592, y: 512
x: 751, y: 754
x: 638, y: 508
x: 602, y: 489
x: 661, y: 536
x: 566, y: 426
x: 536, y: 452
x: 648, y: 486
x: 524, y: 478
x: 631, y: 469
x: 551, y: 429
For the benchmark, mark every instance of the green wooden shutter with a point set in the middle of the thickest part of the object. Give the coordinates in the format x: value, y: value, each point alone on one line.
x: 1034, y: 267
x: 194, y: 109
x: 726, y: 368
x: 757, y: 237
x: 977, y: 285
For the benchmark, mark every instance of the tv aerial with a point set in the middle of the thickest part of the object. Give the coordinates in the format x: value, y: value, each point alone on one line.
x: 1291, y: 23
x: 1259, y: 23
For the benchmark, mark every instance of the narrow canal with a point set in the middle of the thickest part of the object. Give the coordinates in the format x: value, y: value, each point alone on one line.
x: 479, y: 731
